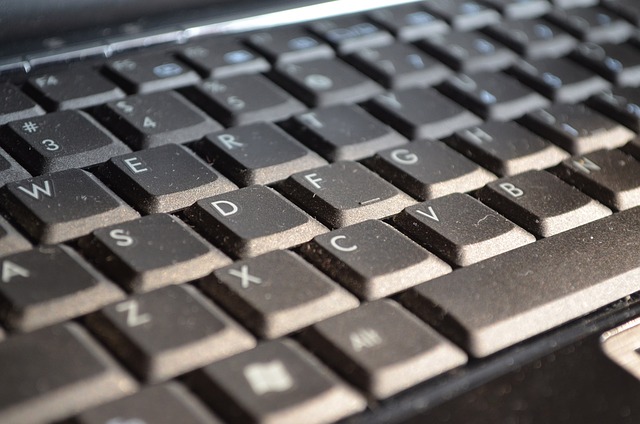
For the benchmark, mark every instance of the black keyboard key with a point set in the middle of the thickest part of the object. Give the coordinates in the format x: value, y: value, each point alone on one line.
x: 577, y: 129
x: 463, y: 15
x: 344, y: 193
x: 11, y: 241
x: 223, y: 58
x: 16, y: 105
x: 163, y: 179
x: 399, y: 66
x: 151, y: 252
x: 168, y: 332
x: 492, y: 95
x: 382, y: 348
x: 259, y: 153
x: 59, y: 372
x: 541, y: 203
x: 468, y: 51
x: 10, y: 170
x: 609, y: 176
x: 290, y: 44
x: 324, y: 82
x: 48, y: 285
x: 74, y: 88
x: 542, y: 295
x: 167, y: 404
x: 629, y: 9
x: 155, y: 119
x: 533, y: 39
x: 343, y: 132
x: 621, y: 104
x: 276, y: 382
x: 619, y: 63
x: 409, y: 22
x: 562, y: 80
x: 520, y: 9
x: 421, y: 113
x: 63, y: 205
x: 277, y: 293
x: 426, y: 169
x: 372, y: 259
x: 506, y: 148
x: 595, y: 24
x: 148, y: 73
x: 352, y: 33
x: 252, y: 221
x: 59, y: 141
x: 461, y: 229
x: 243, y: 99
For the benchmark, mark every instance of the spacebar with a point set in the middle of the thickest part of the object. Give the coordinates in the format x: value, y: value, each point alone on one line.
x: 504, y: 300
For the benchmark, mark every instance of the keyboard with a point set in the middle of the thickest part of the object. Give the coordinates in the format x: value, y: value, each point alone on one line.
x: 355, y: 219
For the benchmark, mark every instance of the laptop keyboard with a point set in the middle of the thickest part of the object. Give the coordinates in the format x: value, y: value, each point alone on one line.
x: 297, y: 224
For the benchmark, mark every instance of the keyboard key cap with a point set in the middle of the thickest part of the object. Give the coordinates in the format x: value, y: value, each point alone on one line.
x: 163, y: 179
x: 343, y: 132
x: 409, y: 22
x: 577, y: 129
x: 619, y: 63
x: 461, y: 229
x: 506, y: 148
x: 520, y: 9
x: 277, y: 382
x: 15, y: 105
x: 595, y: 24
x: 59, y: 141
x: 10, y: 170
x: 566, y: 280
x: 494, y: 96
x: 152, y: 252
x: 60, y: 371
x: 629, y: 9
x: 168, y: 332
x: 541, y: 203
x: 344, y: 193
x: 562, y: 80
x: 426, y: 169
x: 351, y: 33
x: 609, y: 176
x: 463, y: 15
x: 34, y: 295
x: 148, y: 73
x: 223, y: 58
x: 277, y: 293
x: 323, y: 82
x: 252, y: 221
x: 372, y: 259
x: 243, y: 99
x: 399, y: 66
x: 382, y: 348
x: 11, y: 241
x: 468, y: 51
x: 57, y: 207
x: 534, y: 38
x: 259, y: 153
x: 155, y: 119
x: 421, y: 113
x: 621, y: 104
x: 74, y: 88
x: 290, y: 44
x: 167, y: 404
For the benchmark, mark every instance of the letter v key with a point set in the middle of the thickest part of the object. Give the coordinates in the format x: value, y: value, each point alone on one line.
x: 431, y: 214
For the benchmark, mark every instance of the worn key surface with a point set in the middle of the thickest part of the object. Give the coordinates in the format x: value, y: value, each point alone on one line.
x: 501, y: 301
x: 55, y: 372
x: 277, y: 293
x: 11, y: 241
x: 14, y: 104
x: 10, y: 170
x: 168, y: 332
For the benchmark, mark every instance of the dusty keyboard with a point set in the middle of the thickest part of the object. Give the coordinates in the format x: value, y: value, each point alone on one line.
x: 301, y: 224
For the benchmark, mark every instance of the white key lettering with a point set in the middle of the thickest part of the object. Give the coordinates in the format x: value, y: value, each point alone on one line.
x: 36, y: 190
x: 511, y: 190
x: 134, y: 318
x: 224, y: 207
x: 11, y: 270
x: 334, y: 243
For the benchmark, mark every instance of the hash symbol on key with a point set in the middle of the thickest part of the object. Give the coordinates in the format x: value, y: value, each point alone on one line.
x: 244, y: 275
